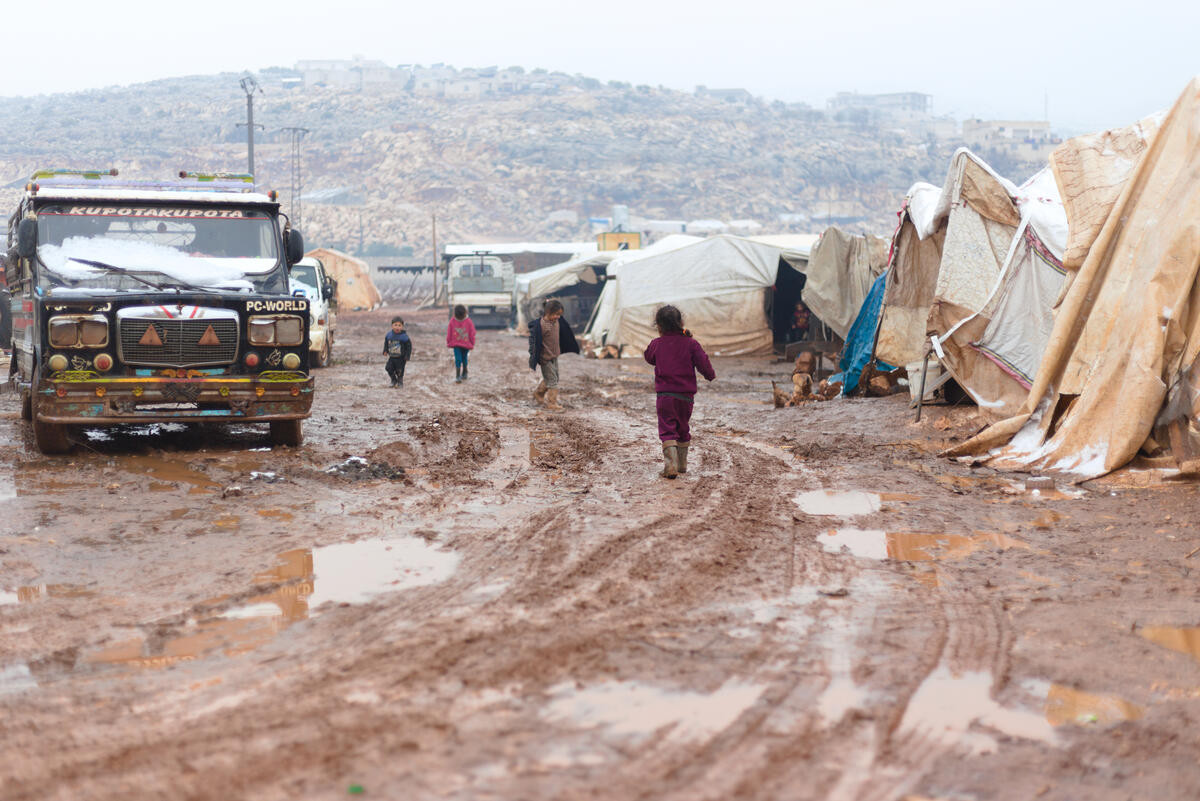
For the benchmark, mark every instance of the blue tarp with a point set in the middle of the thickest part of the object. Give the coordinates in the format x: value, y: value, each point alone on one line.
x: 860, y: 341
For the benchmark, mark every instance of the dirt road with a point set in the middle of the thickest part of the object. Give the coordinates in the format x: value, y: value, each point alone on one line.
x: 445, y: 594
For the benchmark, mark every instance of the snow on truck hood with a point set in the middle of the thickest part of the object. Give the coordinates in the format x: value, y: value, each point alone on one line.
x: 145, y: 257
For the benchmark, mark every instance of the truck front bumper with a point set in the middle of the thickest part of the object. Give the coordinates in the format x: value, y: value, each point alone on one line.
x: 91, y: 398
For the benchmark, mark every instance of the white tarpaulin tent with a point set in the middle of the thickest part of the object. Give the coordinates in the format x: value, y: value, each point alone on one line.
x: 543, y: 283
x: 718, y: 283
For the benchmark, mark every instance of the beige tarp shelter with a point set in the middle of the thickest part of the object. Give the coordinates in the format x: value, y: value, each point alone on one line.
x: 975, y: 272
x: 1120, y: 371
x: 356, y: 291
x: 720, y: 285
x: 840, y: 271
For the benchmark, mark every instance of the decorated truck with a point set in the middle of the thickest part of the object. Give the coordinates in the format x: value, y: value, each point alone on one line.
x: 142, y: 301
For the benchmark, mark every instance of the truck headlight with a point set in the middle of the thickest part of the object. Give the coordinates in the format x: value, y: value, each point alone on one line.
x: 286, y: 330
x: 78, y: 331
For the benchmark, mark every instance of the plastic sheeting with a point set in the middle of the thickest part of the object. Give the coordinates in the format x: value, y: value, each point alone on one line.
x: 840, y: 271
x: 1121, y: 370
x: 860, y: 339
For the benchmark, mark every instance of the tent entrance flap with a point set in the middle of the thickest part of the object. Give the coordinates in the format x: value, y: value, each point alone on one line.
x: 782, y: 303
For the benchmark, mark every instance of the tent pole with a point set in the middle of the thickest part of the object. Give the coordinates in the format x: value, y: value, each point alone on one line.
x: 921, y: 393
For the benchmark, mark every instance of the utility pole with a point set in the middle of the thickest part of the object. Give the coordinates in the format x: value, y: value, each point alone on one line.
x: 297, y: 135
x: 250, y: 86
x: 436, y: 263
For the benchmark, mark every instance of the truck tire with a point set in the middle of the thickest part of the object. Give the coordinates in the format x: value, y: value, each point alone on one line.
x: 322, y: 357
x: 51, y: 438
x: 5, y: 320
x: 286, y: 432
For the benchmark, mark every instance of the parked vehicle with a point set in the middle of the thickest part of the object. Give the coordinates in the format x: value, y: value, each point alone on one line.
x: 484, y: 284
x: 309, y: 279
x: 155, y: 301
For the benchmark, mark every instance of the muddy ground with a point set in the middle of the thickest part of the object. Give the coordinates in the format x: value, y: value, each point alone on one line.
x: 445, y: 594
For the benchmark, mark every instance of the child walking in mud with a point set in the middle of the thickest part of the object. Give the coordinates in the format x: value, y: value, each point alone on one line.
x: 460, y: 335
x: 397, y: 346
x: 549, y: 336
x: 676, y: 357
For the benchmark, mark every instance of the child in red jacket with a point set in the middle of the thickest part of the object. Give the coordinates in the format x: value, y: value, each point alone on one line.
x: 676, y: 358
x: 460, y: 335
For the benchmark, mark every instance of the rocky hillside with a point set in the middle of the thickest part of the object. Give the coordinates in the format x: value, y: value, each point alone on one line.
x: 379, y: 164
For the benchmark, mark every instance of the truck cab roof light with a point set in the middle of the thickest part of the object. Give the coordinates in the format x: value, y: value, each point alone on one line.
x: 206, y: 177
x: 91, y: 175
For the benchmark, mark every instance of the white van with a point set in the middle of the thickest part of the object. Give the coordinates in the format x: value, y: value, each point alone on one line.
x: 308, y: 279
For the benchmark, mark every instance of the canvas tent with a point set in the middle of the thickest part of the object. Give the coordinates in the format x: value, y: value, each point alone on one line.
x: 356, y: 291
x: 974, y: 275
x: 719, y: 283
x: 1120, y: 371
x: 841, y: 269
x: 531, y: 288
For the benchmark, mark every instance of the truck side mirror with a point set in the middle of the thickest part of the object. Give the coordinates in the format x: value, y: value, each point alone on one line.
x: 295, y: 246
x: 27, y: 238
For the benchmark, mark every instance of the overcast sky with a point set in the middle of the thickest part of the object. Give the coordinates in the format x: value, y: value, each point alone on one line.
x: 1094, y: 65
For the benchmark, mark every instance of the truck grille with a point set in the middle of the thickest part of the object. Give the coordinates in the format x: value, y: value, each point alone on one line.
x: 180, y: 342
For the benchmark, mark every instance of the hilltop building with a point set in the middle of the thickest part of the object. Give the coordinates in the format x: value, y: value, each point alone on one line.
x: 1027, y: 140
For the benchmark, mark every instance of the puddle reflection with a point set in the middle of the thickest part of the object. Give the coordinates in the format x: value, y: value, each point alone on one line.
x: 947, y: 704
x: 1065, y: 705
x: 1182, y: 640
x: 912, y: 546
x: 849, y: 503
x: 303, y: 579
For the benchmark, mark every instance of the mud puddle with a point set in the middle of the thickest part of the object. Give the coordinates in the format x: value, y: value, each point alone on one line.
x: 1068, y: 706
x: 1181, y: 640
x: 346, y: 573
x: 848, y: 503
x: 629, y: 709
x: 910, y: 546
x: 947, y: 706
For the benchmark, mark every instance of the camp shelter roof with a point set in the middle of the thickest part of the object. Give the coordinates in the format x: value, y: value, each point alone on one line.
x: 995, y: 353
x: 947, y: 255
x: 1091, y: 170
x: 355, y: 289
x: 511, y: 248
x: 546, y: 281
x: 1121, y: 371
x: 718, y: 283
x: 794, y: 248
x: 839, y: 272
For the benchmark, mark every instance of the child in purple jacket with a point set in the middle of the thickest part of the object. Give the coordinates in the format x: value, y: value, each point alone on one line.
x: 676, y: 358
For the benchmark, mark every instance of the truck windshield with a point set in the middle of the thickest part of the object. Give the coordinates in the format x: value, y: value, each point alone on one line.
x: 88, y: 247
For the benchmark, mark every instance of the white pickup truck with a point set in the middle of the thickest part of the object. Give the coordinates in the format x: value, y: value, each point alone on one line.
x: 308, y: 279
x: 484, y: 284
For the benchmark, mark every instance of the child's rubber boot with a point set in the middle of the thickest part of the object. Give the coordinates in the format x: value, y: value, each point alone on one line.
x: 681, y: 453
x: 458, y: 374
x: 670, y: 459
x: 552, y: 400
x: 464, y: 374
x: 539, y: 394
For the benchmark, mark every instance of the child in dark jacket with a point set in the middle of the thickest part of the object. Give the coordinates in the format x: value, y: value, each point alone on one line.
x: 676, y: 358
x: 398, y: 348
